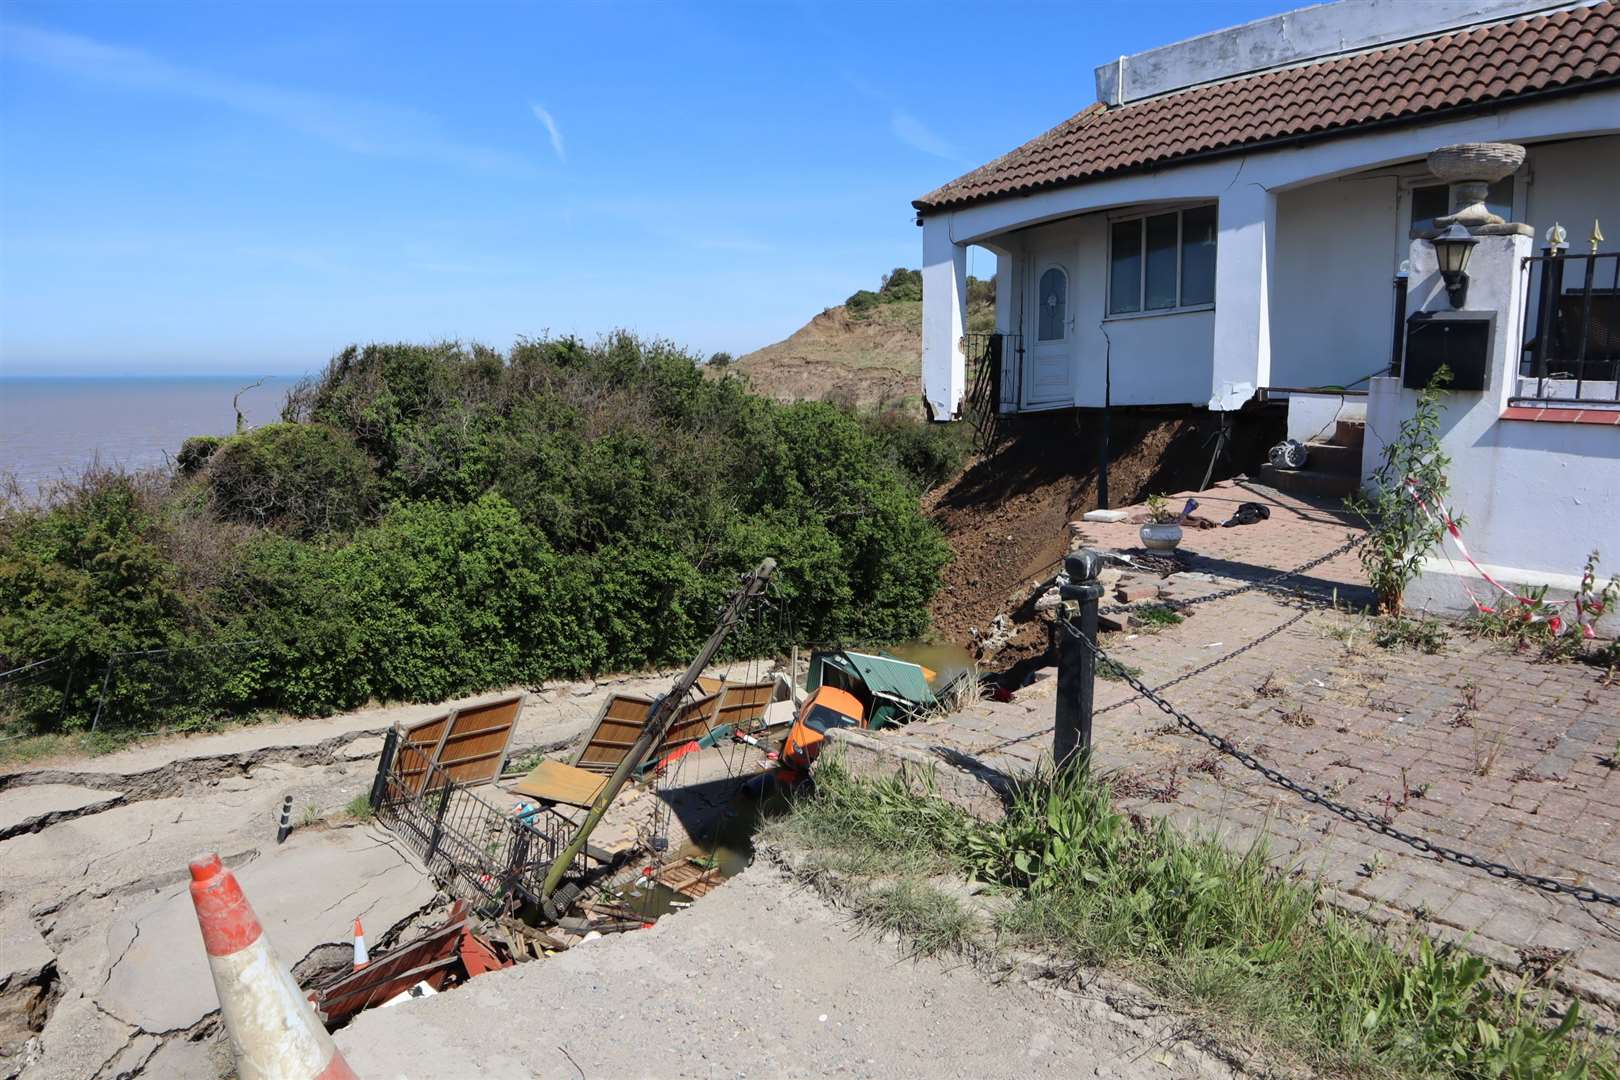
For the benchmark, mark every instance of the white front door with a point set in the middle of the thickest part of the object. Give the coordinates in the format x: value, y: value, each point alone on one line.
x: 1049, y: 348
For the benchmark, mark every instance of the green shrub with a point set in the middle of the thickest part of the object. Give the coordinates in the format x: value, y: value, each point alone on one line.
x: 435, y: 520
x: 901, y: 285
x: 1400, y: 532
x: 862, y: 301
x: 195, y: 452
x: 84, y: 580
x: 926, y: 453
x: 307, y: 479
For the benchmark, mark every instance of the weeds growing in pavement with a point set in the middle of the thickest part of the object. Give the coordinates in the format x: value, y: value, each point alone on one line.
x: 1224, y: 935
x: 1486, y: 753
x: 1114, y: 670
x: 1553, y: 630
x: 359, y: 808
x: 1155, y: 617
x: 1424, y: 634
x: 1613, y: 760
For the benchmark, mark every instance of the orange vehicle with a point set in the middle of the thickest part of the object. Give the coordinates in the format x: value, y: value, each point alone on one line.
x: 827, y: 708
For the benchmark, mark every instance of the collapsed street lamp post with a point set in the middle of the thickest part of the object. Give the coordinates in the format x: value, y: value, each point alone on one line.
x: 660, y: 717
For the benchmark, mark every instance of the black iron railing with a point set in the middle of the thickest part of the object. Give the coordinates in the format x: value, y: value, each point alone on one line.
x: 1571, y: 346
x: 482, y: 853
x: 995, y: 364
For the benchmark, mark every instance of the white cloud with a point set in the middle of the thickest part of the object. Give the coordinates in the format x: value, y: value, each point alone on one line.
x: 545, y: 117
x: 902, y: 124
x: 919, y: 136
x: 350, y: 124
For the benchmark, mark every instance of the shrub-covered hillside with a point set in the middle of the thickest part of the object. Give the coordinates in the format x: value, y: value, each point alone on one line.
x: 432, y: 520
x: 865, y: 352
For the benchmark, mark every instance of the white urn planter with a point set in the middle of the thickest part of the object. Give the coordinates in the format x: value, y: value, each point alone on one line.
x: 1161, y: 537
x: 1470, y: 169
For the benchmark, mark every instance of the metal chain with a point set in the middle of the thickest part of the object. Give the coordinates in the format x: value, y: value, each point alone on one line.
x: 1268, y: 635
x: 1183, y: 677
x: 1267, y: 583
x: 1350, y: 814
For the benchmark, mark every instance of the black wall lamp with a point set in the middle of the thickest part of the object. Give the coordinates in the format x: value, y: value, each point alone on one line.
x: 1452, y: 250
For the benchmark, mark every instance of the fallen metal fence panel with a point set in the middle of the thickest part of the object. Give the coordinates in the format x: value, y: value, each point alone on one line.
x: 484, y: 854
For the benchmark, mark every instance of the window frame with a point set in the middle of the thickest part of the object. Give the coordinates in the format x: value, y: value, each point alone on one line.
x: 1415, y: 225
x: 1141, y: 217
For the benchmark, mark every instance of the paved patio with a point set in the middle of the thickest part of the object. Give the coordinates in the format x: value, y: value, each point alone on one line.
x: 1496, y: 754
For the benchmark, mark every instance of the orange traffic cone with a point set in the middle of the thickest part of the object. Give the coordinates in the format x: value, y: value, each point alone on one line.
x: 360, y: 957
x: 274, y: 1032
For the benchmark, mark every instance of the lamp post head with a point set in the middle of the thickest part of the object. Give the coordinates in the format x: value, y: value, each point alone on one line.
x: 1452, y: 250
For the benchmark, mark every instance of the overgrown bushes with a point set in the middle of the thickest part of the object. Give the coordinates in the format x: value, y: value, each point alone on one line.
x: 433, y: 520
x: 308, y: 479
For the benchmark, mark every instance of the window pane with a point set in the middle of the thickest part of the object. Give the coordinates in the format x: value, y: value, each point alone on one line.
x: 1428, y: 203
x: 1125, y: 267
x: 1499, y: 198
x: 1198, y: 256
x: 1161, y: 262
x: 1054, y: 300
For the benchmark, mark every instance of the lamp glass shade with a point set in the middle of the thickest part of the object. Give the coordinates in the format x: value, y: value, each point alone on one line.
x: 1452, y: 249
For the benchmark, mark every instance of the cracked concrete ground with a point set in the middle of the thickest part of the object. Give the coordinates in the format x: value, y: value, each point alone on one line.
x: 102, y: 972
x: 760, y: 978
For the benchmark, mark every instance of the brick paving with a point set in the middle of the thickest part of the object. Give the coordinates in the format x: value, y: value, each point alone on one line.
x: 1496, y: 754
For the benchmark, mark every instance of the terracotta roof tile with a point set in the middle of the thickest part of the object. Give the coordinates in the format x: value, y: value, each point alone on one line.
x: 1469, y: 67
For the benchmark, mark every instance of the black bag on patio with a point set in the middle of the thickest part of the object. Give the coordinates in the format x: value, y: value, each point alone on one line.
x: 1247, y: 514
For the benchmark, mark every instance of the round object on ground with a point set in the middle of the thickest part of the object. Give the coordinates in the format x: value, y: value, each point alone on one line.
x: 1161, y: 537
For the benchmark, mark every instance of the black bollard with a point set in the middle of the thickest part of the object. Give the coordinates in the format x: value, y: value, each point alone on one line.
x: 1077, y: 669
x: 286, y: 820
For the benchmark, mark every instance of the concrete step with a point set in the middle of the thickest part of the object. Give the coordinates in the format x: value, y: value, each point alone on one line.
x: 1349, y: 433
x: 1327, y: 457
x: 1309, y: 481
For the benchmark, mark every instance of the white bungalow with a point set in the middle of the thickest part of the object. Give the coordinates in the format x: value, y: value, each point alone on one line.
x: 1230, y: 214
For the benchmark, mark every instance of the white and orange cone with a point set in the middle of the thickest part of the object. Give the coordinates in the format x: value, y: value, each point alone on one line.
x: 274, y: 1032
x: 361, y: 959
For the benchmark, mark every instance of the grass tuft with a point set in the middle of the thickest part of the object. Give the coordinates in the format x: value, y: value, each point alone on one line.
x: 931, y: 921
x: 1155, y: 617
x: 359, y: 807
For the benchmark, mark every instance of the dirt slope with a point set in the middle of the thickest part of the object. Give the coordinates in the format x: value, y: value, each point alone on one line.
x: 1005, y: 516
x: 869, y: 359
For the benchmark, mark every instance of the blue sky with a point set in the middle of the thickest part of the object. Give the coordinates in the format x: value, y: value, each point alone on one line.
x: 248, y: 187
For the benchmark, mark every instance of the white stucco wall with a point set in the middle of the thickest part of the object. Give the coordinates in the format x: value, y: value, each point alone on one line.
x: 1156, y: 359
x: 1537, y: 497
x: 1332, y: 295
x: 1574, y: 182
x: 944, y: 273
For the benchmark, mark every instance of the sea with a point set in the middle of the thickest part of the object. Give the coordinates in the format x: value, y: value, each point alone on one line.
x: 52, y: 427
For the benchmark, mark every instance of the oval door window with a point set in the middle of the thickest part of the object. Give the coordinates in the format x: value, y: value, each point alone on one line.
x: 1054, y: 300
